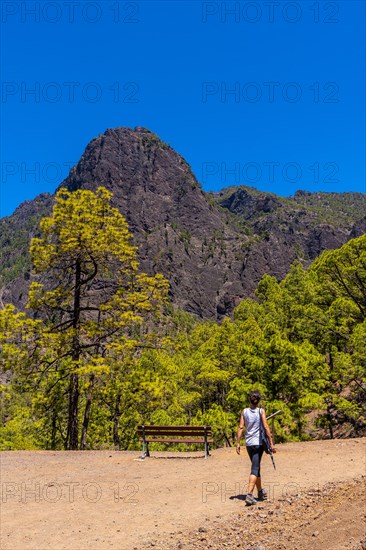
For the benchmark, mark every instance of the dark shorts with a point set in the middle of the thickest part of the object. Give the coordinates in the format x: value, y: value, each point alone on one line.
x: 255, y: 453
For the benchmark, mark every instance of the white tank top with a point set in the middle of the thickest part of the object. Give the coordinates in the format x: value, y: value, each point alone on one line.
x: 252, y: 421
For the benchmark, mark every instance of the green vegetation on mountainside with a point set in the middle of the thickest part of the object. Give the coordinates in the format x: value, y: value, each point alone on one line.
x: 341, y: 210
x: 16, y: 232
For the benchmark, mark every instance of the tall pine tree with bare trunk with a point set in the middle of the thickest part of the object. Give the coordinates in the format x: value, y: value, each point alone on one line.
x: 89, y: 293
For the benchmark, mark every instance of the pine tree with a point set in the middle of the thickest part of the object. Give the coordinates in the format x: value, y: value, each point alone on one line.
x: 93, y: 302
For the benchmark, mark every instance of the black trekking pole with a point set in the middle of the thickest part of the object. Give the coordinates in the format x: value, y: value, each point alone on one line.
x: 266, y: 438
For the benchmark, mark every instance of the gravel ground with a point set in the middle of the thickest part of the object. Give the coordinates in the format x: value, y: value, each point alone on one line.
x: 107, y: 499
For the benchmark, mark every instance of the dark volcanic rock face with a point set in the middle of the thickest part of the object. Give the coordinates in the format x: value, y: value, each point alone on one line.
x: 244, y: 204
x: 212, y: 249
x: 359, y: 228
x: 178, y: 232
x: 287, y: 230
x: 150, y: 182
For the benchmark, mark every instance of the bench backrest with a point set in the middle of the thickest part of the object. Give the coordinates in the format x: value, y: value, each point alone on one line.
x: 182, y: 431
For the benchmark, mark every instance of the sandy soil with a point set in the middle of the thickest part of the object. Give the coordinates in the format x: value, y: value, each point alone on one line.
x: 105, y: 499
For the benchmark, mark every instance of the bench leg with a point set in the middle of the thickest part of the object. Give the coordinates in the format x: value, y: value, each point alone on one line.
x: 207, y: 453
x: 147, y: 450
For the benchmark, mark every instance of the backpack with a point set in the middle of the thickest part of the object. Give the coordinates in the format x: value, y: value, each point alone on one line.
x: 264, y: 438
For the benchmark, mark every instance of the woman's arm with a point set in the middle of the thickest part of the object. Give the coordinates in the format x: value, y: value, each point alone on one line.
x: 267, y: 430
x: 240, y: 432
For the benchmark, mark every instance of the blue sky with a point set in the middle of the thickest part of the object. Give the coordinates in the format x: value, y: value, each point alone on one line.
x: 268, y: 94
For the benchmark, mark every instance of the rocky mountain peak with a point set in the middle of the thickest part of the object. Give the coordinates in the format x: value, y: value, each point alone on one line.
x: 213, y: 248
x: 150, y: 182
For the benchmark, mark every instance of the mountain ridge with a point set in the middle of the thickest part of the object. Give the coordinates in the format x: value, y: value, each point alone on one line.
x: 212, y: 247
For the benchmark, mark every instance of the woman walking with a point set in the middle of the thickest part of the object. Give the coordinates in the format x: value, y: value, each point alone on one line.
x: 252, y: 418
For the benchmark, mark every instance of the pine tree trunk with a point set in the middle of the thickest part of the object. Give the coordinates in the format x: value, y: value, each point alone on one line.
x: 73, y: 425
x: 73, y: 412
x: 54, y: 429
x: 329, y: 359
x: 116, y: 418
x: 87, y: 413
x: 330, y: 423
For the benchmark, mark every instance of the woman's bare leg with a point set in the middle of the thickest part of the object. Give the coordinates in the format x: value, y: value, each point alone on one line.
x: 258, y: 483
x: 252, y: 483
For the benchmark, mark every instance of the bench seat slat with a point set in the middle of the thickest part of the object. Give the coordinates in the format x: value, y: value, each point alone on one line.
x: 161, y: 440
x: 174, y: 432
x: 178, y: 428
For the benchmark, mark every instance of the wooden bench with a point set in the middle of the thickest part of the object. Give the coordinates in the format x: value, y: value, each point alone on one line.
x: 169, y: 434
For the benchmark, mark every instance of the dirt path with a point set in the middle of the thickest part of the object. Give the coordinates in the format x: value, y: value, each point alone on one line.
x: 104, y: 499
x: 332, y: 518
